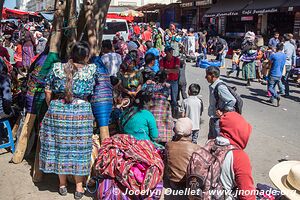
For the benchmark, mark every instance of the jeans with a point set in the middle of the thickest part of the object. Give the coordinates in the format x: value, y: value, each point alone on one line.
x: 204, y: 51
x: 285, y: 80
x: 195, y: 134
x: 174, y: 93
x: 235, y: 67
x: 273, y: 81
x: 214, y: 128
x: 182, y: 90
x: 221, y: 57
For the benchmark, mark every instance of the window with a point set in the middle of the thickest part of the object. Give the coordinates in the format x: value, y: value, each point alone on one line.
x: 112, y: 28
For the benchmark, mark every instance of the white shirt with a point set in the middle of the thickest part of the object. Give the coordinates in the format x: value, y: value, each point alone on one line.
x: 192, y: 108
x: 112, y: 62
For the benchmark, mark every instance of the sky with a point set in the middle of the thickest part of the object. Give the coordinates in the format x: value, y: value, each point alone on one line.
x: 9, y: 3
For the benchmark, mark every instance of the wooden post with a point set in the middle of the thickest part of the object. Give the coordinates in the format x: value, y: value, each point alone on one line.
x: 16, y: 126
x: 37, y: 175
x: 22, y: 141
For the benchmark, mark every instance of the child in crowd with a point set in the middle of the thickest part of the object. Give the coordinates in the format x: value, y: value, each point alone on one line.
x: 235, y: 63
x: 193, y: 108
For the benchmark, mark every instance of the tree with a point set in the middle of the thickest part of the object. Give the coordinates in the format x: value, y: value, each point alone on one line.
x: 95, y: 15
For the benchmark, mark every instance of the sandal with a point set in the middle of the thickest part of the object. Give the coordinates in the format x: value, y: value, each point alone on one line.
x: 63, y: 191
x: 78, y: 195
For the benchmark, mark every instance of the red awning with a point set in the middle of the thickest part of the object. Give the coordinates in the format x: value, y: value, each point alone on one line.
x: 117, y: 16
x: 6, y: 12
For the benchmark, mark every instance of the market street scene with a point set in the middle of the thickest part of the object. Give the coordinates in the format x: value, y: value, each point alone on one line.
x: 150, y: 100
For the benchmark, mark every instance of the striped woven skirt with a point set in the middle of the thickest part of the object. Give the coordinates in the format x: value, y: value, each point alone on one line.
x: 66, y: 138
x: 249, y: 71
x: 161, y: 109
x: 27, y: 55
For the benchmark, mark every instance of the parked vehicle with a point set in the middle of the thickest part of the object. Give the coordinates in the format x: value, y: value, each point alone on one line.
x: 112, y: 26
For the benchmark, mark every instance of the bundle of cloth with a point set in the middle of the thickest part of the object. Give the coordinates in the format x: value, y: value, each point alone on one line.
x: 248, y: 42
x: 127, y: 164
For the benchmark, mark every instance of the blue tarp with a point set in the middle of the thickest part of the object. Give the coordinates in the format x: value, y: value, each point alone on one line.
x: 205, y: 63
x: 48, y: 16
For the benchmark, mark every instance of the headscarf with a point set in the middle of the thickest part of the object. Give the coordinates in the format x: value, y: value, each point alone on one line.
x: 126, y: 62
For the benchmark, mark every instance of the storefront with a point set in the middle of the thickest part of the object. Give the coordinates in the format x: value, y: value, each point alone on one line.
x: 270, y: 16
x: 226, y: 14
x: 170, y: 14
x: 293, y: 7
x: 233, y: 18
x: 203, y: 6
x: 189, y: 15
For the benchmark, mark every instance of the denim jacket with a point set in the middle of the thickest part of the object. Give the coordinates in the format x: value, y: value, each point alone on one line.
x: 226, y: 100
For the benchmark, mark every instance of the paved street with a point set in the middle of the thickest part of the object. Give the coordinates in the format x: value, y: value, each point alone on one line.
x: 275, y: 136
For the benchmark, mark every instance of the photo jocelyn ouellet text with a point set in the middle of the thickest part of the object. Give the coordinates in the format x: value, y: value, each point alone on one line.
x: 189, y: 191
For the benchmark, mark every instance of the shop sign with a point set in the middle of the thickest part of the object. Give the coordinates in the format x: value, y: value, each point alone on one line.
x: 186, y: 5
x: 259, y: 11
x: 247, y: 18
x: 203, y: 3
x: 233, y: 13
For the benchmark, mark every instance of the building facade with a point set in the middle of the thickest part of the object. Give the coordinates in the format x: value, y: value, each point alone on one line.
x: 232, y: 18
x: 21, y: 4
x: 192, y: 12
x: 39, y: 5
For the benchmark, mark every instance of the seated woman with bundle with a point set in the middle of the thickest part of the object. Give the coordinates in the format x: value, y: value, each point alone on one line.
x: 160, y: 107
x: 138, y: 121
x: 130, y: 161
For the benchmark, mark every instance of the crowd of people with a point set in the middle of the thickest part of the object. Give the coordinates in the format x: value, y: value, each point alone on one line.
x: 152, y: 136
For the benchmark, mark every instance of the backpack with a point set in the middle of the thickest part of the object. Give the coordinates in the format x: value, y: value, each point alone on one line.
x: 204, y: 171
x: 239, y: 101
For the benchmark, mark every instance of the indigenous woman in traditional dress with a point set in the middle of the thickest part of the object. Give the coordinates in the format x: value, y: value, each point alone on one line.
x: 138, y: 121
x: 158, y: 40
x: 67, y: 128
x: 28, y: 42
x: 248, y: 69
x: 131, y: 79
x: 160, y: 107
